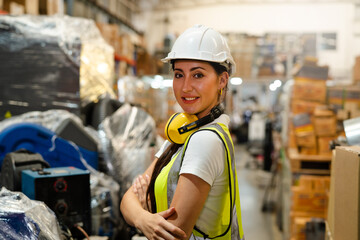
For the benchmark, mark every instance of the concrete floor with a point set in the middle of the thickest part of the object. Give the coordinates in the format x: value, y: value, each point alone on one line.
x: 257, y: 225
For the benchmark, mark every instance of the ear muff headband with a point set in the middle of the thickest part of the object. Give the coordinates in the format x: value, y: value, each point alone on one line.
x: 214, y: 113
x: 168, y: 126
x: 181, y: 125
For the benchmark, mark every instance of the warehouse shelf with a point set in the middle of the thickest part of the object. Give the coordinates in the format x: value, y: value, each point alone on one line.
x: 309, y: 164
x: 125, y: 59
x: 121, y: 20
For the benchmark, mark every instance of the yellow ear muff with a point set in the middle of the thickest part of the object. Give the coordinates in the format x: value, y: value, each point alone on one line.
x: 176, y: 121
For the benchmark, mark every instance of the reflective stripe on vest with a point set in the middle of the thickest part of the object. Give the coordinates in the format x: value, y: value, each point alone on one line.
x: 166, y: 183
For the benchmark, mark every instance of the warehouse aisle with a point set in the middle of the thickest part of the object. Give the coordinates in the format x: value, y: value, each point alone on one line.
x: 256, y: 224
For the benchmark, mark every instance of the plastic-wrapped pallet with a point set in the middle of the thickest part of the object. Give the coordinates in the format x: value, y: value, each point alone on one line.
x: 126, y: 139
x: 52, y: 62
x: 22, y: 218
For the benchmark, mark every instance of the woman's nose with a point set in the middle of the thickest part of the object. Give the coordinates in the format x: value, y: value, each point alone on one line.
x: 187, y: 87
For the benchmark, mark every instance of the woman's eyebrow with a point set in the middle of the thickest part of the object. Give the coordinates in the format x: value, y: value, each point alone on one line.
x: 194, y: 68
x: 191, y: 69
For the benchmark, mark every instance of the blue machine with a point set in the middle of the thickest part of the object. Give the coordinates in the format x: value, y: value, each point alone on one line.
x: 57, y: 151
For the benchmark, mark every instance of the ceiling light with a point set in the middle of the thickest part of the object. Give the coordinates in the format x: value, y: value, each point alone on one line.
x: 236, y: 81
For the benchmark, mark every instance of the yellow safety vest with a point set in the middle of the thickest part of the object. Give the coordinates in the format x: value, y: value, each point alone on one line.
x: 166, y: 182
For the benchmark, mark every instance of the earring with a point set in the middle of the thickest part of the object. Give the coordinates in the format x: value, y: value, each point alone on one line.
x: 220, y: 91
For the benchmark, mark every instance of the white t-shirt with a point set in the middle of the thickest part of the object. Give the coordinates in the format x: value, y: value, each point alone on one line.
x: 205, y: 158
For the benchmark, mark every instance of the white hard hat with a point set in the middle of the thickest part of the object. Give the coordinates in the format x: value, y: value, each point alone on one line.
x: 202, y: 43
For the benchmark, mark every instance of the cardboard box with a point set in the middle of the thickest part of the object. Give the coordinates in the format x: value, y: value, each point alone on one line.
x: 49, y: 7
x: 301, y: 106
x: 292, y: 139
x: 309, y: 90
x: 305, y: 214
x: 331, y: 205
x: 308, y: 150
x: 325, y: 126
x: 110, y: 33
x: 325, y: 122
x: 306, y: 139
x: 324, y: 144
x: 32, y: 7
x: 299, y: 227
x: 323, y: 111
x: 346, y: 221
x: 314, y: 183
x: 342, y: 114
x: 244, y: 62
x: 18, y: 7
x: 302, y: 123
x: 305, y: 200
x: 314, y: 72
x: 335, y: 97
x: 352, y: 108
x: 352, y: 95
x: 145, y: 64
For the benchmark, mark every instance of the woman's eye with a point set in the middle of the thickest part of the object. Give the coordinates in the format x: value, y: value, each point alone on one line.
x: 198, y: 75
x: 177, y: 75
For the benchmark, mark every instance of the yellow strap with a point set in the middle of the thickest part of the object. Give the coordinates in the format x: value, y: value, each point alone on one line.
x: 160, y: 187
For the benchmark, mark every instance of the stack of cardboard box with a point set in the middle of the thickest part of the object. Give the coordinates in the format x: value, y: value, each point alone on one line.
x: 346, y: 101
x: 325, y: 125
x: 308, y: 121
x: 304, y: 134
x: 313, y: 125
x: 309, y: 200
x: 317, y: 112
x: 125, y: 50
x: 32, y: 7
x: 243, y: 51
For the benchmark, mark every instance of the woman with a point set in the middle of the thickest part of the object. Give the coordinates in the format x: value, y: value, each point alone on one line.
x: 193, y: 192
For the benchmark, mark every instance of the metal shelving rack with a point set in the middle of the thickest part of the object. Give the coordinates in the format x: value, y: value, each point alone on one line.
x: 118, y: 12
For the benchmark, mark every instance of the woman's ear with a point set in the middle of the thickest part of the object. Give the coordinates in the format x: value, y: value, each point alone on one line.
x: 224, y: 78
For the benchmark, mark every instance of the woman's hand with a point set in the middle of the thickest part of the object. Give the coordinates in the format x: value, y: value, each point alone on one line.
x: 155, y: 226
x: 140, y: 187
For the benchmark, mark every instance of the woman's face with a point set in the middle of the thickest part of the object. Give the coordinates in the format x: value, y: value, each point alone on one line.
x: 196, y: 86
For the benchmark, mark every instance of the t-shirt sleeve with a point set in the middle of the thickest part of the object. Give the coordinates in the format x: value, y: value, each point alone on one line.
x: 204, y: 156
x: 162, y: 149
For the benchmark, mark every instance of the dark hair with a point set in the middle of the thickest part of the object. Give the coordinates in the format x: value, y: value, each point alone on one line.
x: 163, y: 160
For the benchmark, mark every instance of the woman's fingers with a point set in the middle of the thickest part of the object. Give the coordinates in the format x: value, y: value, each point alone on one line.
x: 140, y: 186
x: 171, y: 228
x: 155, y: 226
x: 173, y: 231
x: 167, y: 213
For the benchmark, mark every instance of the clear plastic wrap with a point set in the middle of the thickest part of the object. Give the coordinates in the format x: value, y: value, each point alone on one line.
x: 22, y: 218
x: 104, y: 189
x: 127, y: 137
x: 105, y: 218
x: 63, y: 49
x: 150, y: 93
x: 50, y: 119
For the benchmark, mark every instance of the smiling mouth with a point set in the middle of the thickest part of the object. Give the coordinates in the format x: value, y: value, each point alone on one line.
x: 190, y: 99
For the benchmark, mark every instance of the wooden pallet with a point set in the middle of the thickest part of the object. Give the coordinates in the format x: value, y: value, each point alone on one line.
x: 309, y: 164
